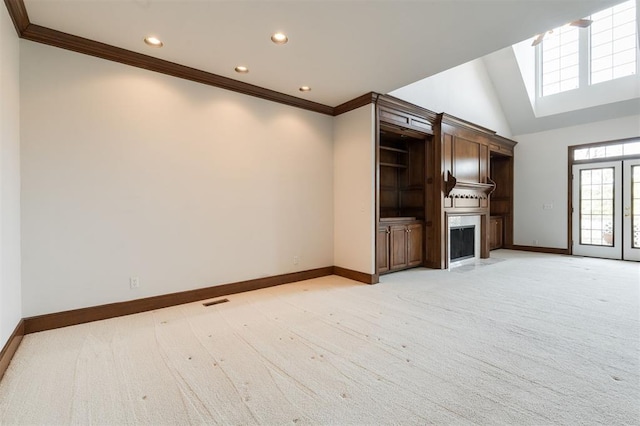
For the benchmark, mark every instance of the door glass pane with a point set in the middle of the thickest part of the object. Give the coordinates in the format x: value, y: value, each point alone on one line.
x: 635, y: 206
x: 596, y: 206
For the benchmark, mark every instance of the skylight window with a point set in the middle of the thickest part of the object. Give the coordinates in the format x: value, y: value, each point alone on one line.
x: 570, y: 57
x: 613, y: 42
x: 560, y: 60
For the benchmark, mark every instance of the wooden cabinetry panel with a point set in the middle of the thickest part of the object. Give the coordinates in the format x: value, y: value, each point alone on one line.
x: 405, y: 121
x: 466, y: 158
x: 414, y: 244
x: 502, y: 197
x: 394, y: 117
x: 383, y: 249
x: 400, y: 244
x: 495, y: 232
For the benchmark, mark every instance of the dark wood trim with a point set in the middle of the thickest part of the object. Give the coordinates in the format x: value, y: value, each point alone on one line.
x: 459, y: 122
x: 355, y: 275
x: 376, y: 184
x: 570, y: 198
x: 104, y: 51
x: 510, y: 143
x: 95, y: 313
x: 11, y: 347
x: 29, y: 31
x: 18, y: 13
x: 406, y: 107
x: 502, y: 146
x: 536, y: 249
x: 467, y: 189
x: 366, y: 99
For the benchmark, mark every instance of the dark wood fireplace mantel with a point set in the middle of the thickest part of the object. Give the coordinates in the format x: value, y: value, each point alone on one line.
x: 454, y: 188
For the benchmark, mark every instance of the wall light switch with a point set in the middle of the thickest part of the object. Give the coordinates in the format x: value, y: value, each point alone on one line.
x: 547, y: 206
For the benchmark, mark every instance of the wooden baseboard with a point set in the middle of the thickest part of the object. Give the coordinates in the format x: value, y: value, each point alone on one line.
x: 95, y: 313
x: 537, y: 249
x: 11, y: 347
x: 355, y: 275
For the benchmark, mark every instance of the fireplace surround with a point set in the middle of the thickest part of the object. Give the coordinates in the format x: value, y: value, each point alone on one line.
x: 464, y: 238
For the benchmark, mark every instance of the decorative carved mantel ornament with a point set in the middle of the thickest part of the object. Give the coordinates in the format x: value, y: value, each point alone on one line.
x: 454, y: 188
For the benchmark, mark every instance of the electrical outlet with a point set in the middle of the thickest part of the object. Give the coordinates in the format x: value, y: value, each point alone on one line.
x: 134, y: 282
x: 296, y: 260
x: 548, y: 206
x: 535, y: 242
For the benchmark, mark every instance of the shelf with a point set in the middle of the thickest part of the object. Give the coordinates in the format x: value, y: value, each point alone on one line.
x: 388, y: 148
x: 399, y: 166
x: 398, y: 219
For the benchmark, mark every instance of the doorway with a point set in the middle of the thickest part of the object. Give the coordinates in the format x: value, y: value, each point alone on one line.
x: 606, y: 209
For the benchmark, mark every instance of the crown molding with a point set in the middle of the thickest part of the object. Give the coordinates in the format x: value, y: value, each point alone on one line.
x: 397, y: 103
x: 18, y: 13
x: 459, y: 122
x: 509, y: 143
x: 360, y: 101
x: 52, y: 37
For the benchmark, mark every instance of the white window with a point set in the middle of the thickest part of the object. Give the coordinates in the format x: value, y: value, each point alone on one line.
x: 613, y: 42
x: 608, y: 150
x: 560, y: 60
x: 570, y: 57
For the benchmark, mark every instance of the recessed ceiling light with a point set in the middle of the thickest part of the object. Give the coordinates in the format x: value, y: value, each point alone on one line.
x: 153, y: 42
x: 305, y: 89
x: 279, y: 38
x: 241, y: 69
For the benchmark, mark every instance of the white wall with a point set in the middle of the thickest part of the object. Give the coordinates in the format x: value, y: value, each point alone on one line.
x: 129, y: 173
x: 354, y: 190
x: 10, y: 291
x: 541, y: 177
x: 465, y: 91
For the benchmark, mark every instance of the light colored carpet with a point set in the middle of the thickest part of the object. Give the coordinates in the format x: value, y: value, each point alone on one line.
x: 533, y: 339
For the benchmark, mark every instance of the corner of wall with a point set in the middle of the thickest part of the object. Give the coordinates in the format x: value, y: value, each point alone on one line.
x: 354, y: 191
x: 10, y: 253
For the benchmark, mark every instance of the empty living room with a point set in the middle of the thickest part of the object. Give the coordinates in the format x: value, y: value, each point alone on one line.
x: 319, y: 212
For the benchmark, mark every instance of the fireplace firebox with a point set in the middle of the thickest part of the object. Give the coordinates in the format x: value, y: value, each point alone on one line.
x: 462, y: 242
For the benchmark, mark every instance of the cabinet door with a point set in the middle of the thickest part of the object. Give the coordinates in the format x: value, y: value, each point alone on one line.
x: 499, y: 232
x: 495, y: 233
x: 398, y: 244
x: 383, y: 249
x: 414, y: 244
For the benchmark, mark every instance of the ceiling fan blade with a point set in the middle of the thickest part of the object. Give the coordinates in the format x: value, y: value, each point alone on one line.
x: 581, y: 23
x: 538, y: 39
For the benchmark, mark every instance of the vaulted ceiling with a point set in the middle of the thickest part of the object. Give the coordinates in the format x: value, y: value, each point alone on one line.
x: 341, y: 49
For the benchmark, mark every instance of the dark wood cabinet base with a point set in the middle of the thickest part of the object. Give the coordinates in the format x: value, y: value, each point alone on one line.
x: 400, y: 243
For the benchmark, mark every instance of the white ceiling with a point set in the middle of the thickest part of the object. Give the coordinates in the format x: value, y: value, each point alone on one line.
x: 342, y: 49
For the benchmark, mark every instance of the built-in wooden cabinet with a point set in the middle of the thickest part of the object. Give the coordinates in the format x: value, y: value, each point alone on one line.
x: 436, y: 168
x: 400, y: 244
x: 496, y: 232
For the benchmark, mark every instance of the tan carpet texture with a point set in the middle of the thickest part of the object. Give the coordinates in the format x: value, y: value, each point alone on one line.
x: 520, y: 339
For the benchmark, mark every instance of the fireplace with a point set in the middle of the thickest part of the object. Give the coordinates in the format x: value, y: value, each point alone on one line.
x: 464, y: 238
x: 462, y: 242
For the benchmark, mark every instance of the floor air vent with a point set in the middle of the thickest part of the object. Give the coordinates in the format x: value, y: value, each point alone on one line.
x: 215, y: 302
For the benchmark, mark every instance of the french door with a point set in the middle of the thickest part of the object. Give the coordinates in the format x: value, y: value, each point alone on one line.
x: 606, y: 209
